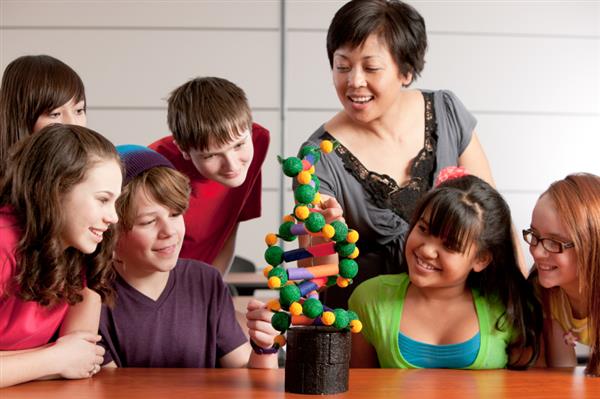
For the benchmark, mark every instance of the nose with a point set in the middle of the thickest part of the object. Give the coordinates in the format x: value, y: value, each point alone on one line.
x: 231, y: 161
x: 111, y: 217
x: 538, y: 251
x: 167, y: 229
x: 356, y: 78
x: 428, y: 251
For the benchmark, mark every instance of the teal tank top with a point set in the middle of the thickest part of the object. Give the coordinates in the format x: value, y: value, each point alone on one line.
x: 452, y: 356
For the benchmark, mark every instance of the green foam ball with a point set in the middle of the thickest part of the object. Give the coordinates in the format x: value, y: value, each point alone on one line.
x: 348, y: 268
x: 311, y: 149
x: 274, y: 255
x: 315, y: 222
x: 281, y: 321
x: 288, y: 295
x: 291, y: 166
x: 352, y: 315
x: 280, y: 272
x: 341, y: 318
x: 343, y: 248
x: 285, y: 231
x: 304, y: 194
x: 341, y: 230
x: 317, y: 182
x: 312, y: 308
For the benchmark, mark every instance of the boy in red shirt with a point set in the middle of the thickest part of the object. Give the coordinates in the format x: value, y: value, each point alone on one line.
x: 216, y: 145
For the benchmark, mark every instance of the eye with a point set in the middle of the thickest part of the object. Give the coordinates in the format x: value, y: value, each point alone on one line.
x: 147, y: 222
x: 422, y: 228
x: 175, y: 214
x: 54, y: 114
x: 104, y: 200
x: 240, y: 145
x: 342, y: 68
x: 372, y: 69
x: 80, y: 111
x: 207, y: 157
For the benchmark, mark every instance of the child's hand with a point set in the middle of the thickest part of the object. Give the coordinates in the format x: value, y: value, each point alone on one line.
x: 259, y: 324
x: 330, y: 208
x: 78, y: 354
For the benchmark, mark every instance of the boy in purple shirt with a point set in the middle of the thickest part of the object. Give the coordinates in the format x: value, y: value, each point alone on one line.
x: 171, y: 312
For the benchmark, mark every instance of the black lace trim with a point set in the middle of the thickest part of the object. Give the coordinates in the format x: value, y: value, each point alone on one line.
x: 383, y: 189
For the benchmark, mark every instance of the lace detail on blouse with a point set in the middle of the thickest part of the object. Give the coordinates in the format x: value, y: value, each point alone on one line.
x: 383, y: 189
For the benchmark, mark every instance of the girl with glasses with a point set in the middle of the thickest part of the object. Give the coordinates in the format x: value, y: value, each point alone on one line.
x: 564, y: 240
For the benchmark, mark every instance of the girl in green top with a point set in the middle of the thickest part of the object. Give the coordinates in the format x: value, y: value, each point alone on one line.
x: 464, y: 302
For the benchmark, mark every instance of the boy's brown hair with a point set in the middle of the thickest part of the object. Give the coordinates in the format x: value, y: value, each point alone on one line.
x: 207, y: 111
x: 164, y: 185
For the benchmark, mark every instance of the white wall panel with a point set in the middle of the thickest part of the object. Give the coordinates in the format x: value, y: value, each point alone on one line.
x: 528, y: 152
x: 237, y: 14
x: 140, y: 68
x: 556, y: 18
x: 516, y: 74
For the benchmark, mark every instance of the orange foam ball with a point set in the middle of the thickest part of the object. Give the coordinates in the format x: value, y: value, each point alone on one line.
x: 352, y: 236
x: 279, y: 340
x: 328, y: 318
x: 274, y: 282
x: 354, y: 254
x: 328, y: 231
x: 288, y: 218
x: 274, y: 305
x: 356, y: 326
x: 302, y: 212
x: 317, y: 198
x: 296, y: 309
x: 304, y: 177
x: 326, y: 146
x: 342, y: 282
x: 267, y: 270
x: 271, y: 239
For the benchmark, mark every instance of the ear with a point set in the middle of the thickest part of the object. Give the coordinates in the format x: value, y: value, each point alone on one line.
x: 482, y: 261
x: 406, y: 79
x: 184, y: 154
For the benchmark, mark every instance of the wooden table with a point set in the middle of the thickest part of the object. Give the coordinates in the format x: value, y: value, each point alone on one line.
x: 269, y: 384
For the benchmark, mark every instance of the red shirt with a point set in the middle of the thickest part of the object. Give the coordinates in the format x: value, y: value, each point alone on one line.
x: 216, y: 209
x: 23, y: 324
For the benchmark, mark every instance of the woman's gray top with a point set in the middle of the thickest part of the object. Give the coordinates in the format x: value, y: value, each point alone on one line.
x: 374, y: 204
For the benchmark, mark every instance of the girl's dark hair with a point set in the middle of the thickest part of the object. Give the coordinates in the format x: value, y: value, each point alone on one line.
x: 466, y: 211
x: 399, y: 25
x: 42, y: 169
x: 32, y: 85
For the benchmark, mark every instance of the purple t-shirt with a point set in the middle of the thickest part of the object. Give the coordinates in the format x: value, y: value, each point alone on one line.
x: 191, y: 324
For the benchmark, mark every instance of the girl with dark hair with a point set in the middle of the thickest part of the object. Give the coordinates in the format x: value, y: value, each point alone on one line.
x: 464, y: 302
x: 57, y: 208
x: 38, y: 90
x: 564, y: 240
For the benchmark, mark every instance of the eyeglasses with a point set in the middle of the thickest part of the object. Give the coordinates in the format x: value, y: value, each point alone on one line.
x: 549, y: 244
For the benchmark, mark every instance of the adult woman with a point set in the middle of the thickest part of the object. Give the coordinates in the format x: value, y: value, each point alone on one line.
x: 393, y: 141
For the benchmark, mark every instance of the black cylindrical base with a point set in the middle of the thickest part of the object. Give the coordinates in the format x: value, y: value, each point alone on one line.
x: 317, y: 360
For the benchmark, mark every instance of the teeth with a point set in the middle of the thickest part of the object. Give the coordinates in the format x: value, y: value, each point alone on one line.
x: 97, y: 233
x: 361, y: 100
x: 546, y: 268
x: 425, y: 265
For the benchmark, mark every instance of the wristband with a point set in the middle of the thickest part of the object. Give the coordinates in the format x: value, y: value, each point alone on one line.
x: 262, y: 351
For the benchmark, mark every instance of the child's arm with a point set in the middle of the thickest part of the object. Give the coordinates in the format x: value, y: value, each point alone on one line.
x: 363, y: 354
x: 558, y: 353
x: 72, y: 356
x: 225, y: 257
x: 83, y: 316
x: 262, y: 333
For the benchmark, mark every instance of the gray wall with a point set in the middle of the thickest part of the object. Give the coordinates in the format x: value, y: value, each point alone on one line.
x: 529, y: 71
